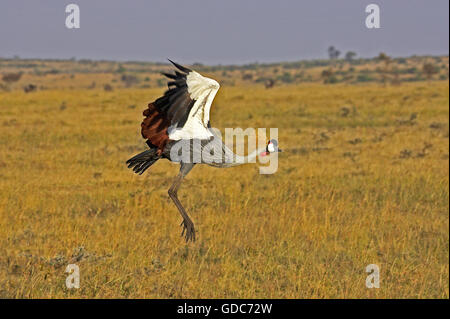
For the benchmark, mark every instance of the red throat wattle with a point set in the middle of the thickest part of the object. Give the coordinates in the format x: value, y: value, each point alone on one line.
x: 264, y: 154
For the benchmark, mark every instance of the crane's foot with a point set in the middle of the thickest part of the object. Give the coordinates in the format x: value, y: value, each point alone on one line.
x: 188, y: 230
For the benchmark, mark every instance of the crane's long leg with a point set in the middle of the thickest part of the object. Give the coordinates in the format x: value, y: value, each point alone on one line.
x: 187, y: 224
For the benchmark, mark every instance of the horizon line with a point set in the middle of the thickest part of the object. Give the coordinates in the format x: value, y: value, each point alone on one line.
x: 75, y: 59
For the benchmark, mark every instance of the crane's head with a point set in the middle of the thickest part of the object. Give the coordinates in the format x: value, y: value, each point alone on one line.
x: 272, y: 147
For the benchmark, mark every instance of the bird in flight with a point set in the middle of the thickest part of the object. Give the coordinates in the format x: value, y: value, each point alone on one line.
x: 179, y: 120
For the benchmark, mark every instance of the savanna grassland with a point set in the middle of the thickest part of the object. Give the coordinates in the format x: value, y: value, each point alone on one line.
x: 363, y: 179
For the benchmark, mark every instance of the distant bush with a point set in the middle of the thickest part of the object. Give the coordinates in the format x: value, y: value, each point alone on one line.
x: 396, y: 79
x: 383, y: 57
x: 269, y: 83
x: 412, y: 70
x: 332, y: 80
x: 429, y: 70
x: 417, y: 78
x: 328, y: 76
x: 299, y: 76
x: 261, y: 79
x: 340, y: 72
x: 121, y: 69
x: 29, y: 88
x: 52, y: 71
x: 107, y: 87
x: 365, y: 71
x: 286, y: 78
x: 314, y: 63
x: 129, y: 80
x: 292, y: 65
x: 161, y: 82
x: 348, y: 77
x: 3, y: 87
x: 63, y: 106
x: 37, y: 72
x: 349, y: 56
x: 333, y: 53
x: 11, y: 77
x: 252, y: 66
x: 364, y: 78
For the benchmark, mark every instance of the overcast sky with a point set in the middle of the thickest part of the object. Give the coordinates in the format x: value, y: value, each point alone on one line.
x: 219, y: 31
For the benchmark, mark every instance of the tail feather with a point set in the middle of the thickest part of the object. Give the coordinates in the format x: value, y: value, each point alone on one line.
x: 144, y: 160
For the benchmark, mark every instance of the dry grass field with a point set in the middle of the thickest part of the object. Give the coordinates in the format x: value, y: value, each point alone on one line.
x: 363, y: 179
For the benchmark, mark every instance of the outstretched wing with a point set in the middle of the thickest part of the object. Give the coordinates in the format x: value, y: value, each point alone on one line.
x: 176, y: 103
x: 186, y: 104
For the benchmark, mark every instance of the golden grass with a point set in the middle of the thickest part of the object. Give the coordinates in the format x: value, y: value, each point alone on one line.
x: 355, y: 186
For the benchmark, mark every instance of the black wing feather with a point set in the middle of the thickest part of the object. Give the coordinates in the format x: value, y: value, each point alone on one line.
x: 169, y: 75
x: 176, y: 102
x: 180, y: 67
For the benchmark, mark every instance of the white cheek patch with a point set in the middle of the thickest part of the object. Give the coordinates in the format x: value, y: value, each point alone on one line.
x: 270, y: 148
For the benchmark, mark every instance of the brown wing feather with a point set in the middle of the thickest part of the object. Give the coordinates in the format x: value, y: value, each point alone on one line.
x: 170, y: 109
x: 154, y: 127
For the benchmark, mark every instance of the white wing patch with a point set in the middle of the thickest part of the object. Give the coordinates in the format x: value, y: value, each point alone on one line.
x: 197, y: 84
x: 203, y: 90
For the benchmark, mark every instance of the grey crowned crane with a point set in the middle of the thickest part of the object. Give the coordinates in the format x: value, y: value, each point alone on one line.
x: 181, y: 116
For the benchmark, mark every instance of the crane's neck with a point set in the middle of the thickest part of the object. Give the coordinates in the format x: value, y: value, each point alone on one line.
x: 229, y: 159
x: 250, y: 158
